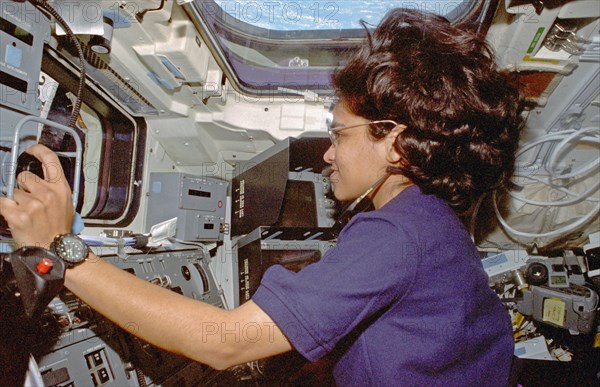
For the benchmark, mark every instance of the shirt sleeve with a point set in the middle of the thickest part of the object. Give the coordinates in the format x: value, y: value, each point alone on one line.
x: 372, y: 266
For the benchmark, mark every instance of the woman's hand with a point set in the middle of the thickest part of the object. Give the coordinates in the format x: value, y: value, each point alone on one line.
x: 41, y: 208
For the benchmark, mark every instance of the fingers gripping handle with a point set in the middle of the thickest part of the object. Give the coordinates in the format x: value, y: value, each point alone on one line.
x: 15, y: 150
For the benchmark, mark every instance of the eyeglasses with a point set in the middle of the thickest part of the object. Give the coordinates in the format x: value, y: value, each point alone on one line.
x: 333, y: 132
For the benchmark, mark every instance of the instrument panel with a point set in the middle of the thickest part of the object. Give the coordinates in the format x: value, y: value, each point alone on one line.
x: 82, y: 348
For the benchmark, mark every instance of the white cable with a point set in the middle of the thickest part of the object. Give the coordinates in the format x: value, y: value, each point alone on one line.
x: 581, y: 171
x: 558, y: 151
x: 547, y: 138
x: 563, y: 230
x: 551, y: 185
x: 565, y: 137
x: 105, y: 241
x: 197, y: 244
x: 543, y: 139
x: 556, y: 137
x: 560, y: 203
x: 578, y: 196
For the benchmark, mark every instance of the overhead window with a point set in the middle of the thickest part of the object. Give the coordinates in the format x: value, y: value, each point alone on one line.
x: 277, y: 47
x: 328, y: 15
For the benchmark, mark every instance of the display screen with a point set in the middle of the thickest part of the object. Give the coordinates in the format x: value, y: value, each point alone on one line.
x: 593, y: 259
x: 299, y: 207
x: 196, y: 192
x: 558, y: 280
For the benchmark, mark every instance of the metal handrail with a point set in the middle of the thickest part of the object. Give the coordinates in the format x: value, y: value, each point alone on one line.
x: 15, y: 150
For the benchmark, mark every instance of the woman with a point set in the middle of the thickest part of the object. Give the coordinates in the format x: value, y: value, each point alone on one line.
x: 425, y: 126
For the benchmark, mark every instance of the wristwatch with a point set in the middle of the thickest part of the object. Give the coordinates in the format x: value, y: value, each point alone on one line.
x: 70, y: 248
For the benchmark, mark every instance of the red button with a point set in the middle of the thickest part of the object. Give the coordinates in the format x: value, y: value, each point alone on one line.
x: 44, y: 266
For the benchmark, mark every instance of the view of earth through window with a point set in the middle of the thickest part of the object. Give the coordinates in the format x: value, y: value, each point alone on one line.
x: 326, y: 15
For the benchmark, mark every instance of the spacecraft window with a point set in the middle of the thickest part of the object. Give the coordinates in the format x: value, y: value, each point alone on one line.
x: 329, y: 15
x: 113, y: 142
x: 274, y: 46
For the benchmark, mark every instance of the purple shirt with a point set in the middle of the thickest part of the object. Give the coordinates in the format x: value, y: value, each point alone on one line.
x: 402, y: 299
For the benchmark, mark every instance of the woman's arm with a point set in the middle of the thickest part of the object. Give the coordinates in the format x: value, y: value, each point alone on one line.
x: 42, y: 209
x: 199, y: 331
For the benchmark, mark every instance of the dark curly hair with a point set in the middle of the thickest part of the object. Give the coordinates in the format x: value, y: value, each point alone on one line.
x: 463, y: 116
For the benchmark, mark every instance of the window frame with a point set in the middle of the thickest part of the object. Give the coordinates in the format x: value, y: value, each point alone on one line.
x: 123, y: 139
x: 211, y: 24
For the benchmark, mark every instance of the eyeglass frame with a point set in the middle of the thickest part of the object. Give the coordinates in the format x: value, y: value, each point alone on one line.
x: 332, y: 132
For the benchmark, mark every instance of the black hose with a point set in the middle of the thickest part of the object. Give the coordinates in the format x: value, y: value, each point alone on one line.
x: 77, y: 106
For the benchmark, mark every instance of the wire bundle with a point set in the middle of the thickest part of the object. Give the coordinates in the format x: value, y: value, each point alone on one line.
x: 562, y: 181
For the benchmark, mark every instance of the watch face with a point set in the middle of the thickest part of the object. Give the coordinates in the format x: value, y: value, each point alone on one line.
x: 71, y: 248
